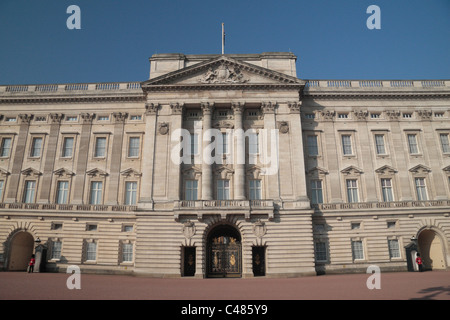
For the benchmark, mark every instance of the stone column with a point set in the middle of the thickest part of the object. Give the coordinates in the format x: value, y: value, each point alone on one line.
x: 271, y: 180
x: 207, y: 179
x: 83, y: 154
x: 176, y: 122
x: 148, y: 156
x: 239, y: 166
x: 116, y: 159
x: 13, y: 192
x: 50, y: 158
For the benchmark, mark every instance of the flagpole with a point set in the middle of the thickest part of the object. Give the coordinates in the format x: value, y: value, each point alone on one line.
x: 223, y: 39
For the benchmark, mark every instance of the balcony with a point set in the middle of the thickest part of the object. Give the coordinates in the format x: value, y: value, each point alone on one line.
x: 323, y: 207
x: 223, y: 207
x: 66, y: 207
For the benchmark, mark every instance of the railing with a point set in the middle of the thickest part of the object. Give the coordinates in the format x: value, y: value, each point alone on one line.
x: 377, y: 205
x: 223, y: 204
x: 377, y: 84
x: 67, y: 207
x: 71, y: 87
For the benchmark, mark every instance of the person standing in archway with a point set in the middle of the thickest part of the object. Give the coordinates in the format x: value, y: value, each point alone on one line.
x: 31, y: 264
x: 419, y: 262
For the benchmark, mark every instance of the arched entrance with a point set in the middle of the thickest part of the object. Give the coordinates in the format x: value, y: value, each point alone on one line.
x: 431, y: 249
x: 21, y: 249
x: 224, y: 252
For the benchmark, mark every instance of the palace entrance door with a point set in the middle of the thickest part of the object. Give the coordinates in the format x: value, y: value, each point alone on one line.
x: 224, y: 253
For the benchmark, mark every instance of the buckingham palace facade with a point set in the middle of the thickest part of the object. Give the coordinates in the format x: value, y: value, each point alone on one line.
x: 225, y: 166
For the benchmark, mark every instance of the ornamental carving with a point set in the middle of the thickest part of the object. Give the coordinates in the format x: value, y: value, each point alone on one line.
x: 163, y: 128
x: 424, y: 114
x: 152, y: 108
x: 56, y: 117
x: 188, y: 229
x: 268, y: 107
x: 328, y: 114
x: 361, y: 114
x: 393, y: 114
x: 259, y: 229
x: 294, y: 107
x: 224, y: 73
x: 283, y: 126
x: 177, y: 108
x: 119, y: 116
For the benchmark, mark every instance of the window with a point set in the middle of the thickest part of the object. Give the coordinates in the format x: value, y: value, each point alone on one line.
x: 374, y: 115
x: 2, y: 185
x: 439, y: 114
x: 56, y: 250
x: 343, y: 115
x: 91, y: 227
x: 40, y: 119
x: 255, y: 189
x: 253, y: 143
x: 379, y: 144
x: 223, y: 189
x: 309, y: 116
x: 5, y: 147
x: 67, y: 149
x: 91, y: 251
x: 347, y: 144
x: 316, y: 192
x: 71, y: 118
x: 127, y: 252
x: 407, y: 115
x: 391, y: 224
x: 320, y: 249
x: 191, y: 190
x: 444, y: 142
x: 313, y: 149
x: 352, y: 190
x: 36, y: 147
x: 421, y: 189
x: 62, y: 192
x: 56, y: 226
x: 386, y: 190
x: 194, y: 144
x: 412, y: 144
x: 356, y: 225
x: 224, y: 143
x: 96, y: 192
x: 133, y: 147
x: 357, y: 250
x: 394, y: 251
x: 103, y: 118
x: 127, y: 228
x: 30, y: 189
x: 130, y: 192
x: 100, y: 147
x: 10, y: 119
x: 135, y: 117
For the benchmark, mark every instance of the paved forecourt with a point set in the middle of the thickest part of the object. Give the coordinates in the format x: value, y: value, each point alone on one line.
x: 400, y: 285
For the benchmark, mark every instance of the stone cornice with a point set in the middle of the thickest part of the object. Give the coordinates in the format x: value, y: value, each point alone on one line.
x: 71, y: 99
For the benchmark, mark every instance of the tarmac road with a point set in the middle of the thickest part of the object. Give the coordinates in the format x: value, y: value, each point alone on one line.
x: 393, y: 286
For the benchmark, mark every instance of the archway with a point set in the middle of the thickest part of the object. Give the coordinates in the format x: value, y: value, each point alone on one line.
x: 21, y: 249
x: 431, y: 250
x: 224, y: 252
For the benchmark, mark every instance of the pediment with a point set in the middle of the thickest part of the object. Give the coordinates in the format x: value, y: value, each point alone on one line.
x: 96, y: 172
x: 223, y: 172
x: 4, y: 172
x: 447, y: 169
x: 420, y: 168
x: 352, y: 170
x: 31, y: 172
x: 192, y: 172
x: 317, y: 170
x: 386, y: 170
x: 63, y: 172
x: 130, y: 172
x: 221, y: 71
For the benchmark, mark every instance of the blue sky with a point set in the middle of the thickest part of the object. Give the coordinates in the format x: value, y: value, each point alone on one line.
x: 330, y: 38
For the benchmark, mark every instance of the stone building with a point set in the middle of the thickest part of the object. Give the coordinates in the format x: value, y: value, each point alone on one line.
x: 225, y: 166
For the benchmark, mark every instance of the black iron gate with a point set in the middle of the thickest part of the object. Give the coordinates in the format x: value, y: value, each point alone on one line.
x: 225, y: 259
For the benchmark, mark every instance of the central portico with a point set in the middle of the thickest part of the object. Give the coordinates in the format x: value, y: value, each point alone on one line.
x: 212, y: 98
